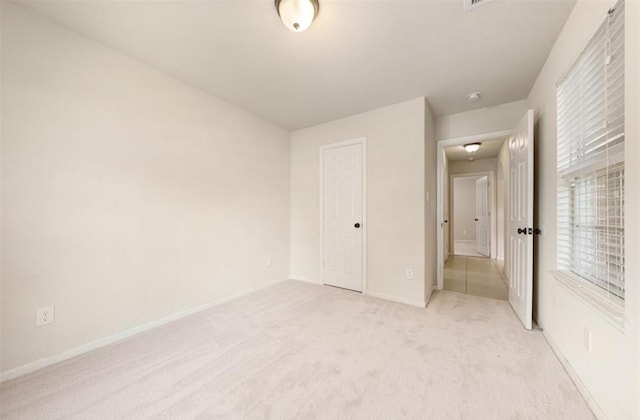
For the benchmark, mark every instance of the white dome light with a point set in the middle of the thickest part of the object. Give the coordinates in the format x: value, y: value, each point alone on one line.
x: 297, y: 15
x: 472, y: 147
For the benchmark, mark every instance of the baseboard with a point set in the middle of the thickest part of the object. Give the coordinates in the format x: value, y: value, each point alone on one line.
x: 93, y: 345
x: 503, y: 274
x: 394, y: 298
x: 386, y: 296
x: 582, y: 389
x: 297, y: 278
x: 427, y: 298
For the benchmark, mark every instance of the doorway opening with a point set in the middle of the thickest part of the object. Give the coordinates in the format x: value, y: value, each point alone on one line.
x: 473, y: 215
x: 514, y: 178
x: 470, y: 227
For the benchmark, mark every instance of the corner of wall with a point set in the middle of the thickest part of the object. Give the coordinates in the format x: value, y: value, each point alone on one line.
x: 430, y: 202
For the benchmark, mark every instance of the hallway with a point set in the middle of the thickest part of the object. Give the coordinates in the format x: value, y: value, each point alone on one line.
x: 474, y: 276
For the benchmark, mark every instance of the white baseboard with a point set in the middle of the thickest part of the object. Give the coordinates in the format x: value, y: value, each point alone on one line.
x: 386, y: 296
x: 93, y: 345
x: 591, y: 402
x: 394, y: 298
x: 427, y: 298
x: 306, y: 280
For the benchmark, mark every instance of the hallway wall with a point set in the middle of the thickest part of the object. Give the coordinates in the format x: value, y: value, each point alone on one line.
x: 609, y: 372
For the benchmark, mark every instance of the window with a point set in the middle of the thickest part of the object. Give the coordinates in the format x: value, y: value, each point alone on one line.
x: 591, y: 165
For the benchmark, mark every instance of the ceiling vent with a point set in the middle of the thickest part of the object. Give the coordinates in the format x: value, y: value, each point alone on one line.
x: 472, y: 4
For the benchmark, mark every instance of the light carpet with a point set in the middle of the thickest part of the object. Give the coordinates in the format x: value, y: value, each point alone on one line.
x: 303, y: 351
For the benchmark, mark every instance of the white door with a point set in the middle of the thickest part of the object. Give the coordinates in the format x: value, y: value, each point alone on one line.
x: 520, y: 246
x: 483, y: 237
x: 445, y: 222
x: 342, y: 201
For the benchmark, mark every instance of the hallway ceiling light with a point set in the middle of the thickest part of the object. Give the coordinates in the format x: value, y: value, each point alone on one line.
x: 472, y: 147
x: 297, y: 15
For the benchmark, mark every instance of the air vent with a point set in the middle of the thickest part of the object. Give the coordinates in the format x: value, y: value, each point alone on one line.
x: 472, y: 4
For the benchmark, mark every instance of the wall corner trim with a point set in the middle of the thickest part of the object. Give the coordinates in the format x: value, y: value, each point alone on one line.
x: 303, y: 279
x: 394, y: 298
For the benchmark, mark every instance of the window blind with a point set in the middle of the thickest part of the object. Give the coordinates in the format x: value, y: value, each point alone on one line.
x: 590, y: 154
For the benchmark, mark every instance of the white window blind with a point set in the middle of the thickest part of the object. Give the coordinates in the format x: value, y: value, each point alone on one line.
x: 591, y: 163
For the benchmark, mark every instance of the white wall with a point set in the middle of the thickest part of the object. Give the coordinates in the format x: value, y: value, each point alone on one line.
x: 464, y: 209
x: 610, y: 370
x: 461, y: 167
x: 429, y: 195
x: 396, y: 205
x: 480, y: 121
x: 125, y: 193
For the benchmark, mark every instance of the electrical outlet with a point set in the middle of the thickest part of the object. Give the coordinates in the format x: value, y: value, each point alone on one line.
x: 587, y: 339
x: 45, y: 315
x: 409, y: 274
x: 269, y: 261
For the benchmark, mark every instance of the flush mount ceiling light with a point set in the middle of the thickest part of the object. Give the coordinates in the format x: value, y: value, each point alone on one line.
x: 473, y: 97
x: 472, y: 147
x: 297, y: 15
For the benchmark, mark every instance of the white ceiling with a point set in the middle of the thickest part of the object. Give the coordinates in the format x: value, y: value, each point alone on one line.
x: 357, y: 56
x: 488, y: 149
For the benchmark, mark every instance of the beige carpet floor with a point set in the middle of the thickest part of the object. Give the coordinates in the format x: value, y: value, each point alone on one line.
x: 302, y: 351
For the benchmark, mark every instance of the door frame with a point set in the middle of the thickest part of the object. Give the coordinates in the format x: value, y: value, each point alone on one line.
x: 492, y: 205
x: 441, y: 145
x: 363, y: 142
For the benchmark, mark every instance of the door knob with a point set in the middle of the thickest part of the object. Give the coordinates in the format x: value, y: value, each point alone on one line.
x: 522, y: 231
x: 475, y: 220
x: 357, y: 225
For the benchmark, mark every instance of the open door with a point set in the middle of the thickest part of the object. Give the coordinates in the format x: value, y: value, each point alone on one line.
x: 520, y: 245
x: 482, y: 216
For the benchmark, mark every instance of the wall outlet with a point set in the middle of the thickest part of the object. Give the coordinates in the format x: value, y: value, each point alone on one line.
x: 409, y: 274
x: 269, y: 261
x: 587, y: 339
x: 45, y: 315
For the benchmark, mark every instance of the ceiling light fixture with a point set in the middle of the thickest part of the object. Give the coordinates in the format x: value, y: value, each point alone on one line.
x: 297, y: 15
x: 472, y: 147
x: 473, y: 97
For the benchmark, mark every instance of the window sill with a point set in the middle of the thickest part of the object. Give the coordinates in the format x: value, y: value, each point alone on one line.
x: 610, y: 312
